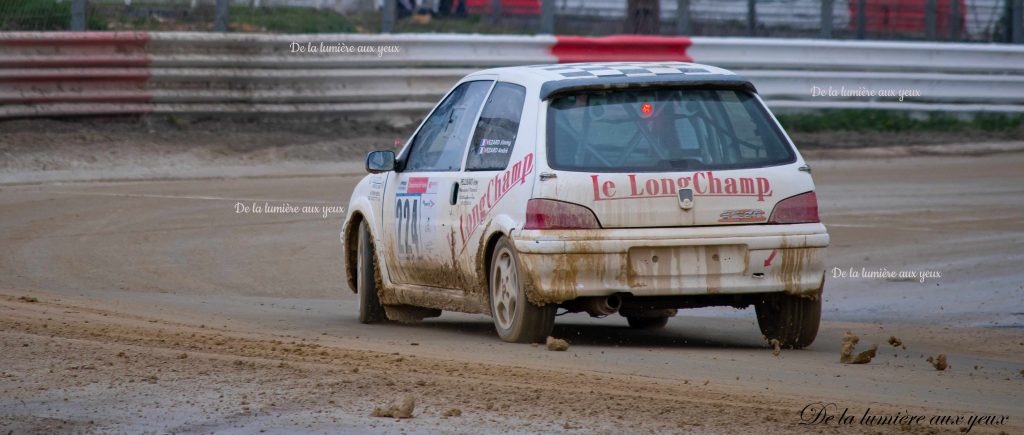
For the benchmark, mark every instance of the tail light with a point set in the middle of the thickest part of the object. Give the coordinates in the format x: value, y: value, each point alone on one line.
x: 799, y: 209
x: 548, y: 214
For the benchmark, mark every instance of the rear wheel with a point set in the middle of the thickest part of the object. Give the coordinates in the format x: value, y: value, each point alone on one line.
x: 647, y: 322
x: 370, y: 309
x: 793, y: 320
x: 515, y: 318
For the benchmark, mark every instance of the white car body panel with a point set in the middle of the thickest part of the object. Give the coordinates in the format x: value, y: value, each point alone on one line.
x: 437, y: 259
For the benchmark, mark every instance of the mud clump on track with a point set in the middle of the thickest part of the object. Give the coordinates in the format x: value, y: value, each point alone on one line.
x: 866, y: 356
x: 850, y: 341
x: 939, y: 362
x: 895, y: 341
x: 400, y: 408
x: 557, y: 344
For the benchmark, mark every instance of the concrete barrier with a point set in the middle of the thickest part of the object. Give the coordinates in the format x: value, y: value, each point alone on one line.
x: 621, y: 48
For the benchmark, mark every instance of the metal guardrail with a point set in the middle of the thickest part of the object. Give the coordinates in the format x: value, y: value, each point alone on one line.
x: 953, y: 77
x: 61, y: 74
x: 823, y: 54
x: 66, y: 74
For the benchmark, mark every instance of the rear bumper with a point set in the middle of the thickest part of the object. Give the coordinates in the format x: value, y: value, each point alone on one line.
x: 560, y: 265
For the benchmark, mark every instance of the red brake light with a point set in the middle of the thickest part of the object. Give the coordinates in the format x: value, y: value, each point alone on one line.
x: 548, y: 214
x: 646, y: 109
x: 799, y: 209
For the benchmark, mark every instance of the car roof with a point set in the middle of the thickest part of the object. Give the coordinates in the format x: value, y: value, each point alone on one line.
x: 569, y: 77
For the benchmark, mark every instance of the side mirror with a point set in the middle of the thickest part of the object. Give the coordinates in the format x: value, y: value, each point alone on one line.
x: 380, y: 161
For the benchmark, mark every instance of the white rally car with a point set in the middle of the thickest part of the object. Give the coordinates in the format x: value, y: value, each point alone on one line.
x: 637, y: 188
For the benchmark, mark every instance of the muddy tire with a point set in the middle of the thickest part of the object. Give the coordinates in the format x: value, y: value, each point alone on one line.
x: 370, y: 309
x: 793, y: 320
x: 647, y: 322
x: 515, y: 318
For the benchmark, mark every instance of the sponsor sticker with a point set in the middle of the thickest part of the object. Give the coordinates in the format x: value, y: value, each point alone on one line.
x: 705, y: 183
x: 418, y: 185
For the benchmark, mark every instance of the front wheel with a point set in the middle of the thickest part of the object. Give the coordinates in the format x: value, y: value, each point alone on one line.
x: 793, y: 320
x: 515, y: 318
x: 370, y: 309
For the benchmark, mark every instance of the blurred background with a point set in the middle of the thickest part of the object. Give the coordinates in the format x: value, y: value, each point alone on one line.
x: 925, y: 20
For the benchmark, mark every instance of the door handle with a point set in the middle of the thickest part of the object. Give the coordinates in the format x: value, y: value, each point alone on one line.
x: 455, y: 193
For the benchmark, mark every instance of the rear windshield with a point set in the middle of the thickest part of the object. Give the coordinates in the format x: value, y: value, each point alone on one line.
x: 662, y: 130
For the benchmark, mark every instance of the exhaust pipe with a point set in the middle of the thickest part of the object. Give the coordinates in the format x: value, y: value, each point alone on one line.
x: 602, y: 306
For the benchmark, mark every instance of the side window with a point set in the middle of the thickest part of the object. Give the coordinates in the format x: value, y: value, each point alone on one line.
x: 496, y: 132
x: 441, y: 142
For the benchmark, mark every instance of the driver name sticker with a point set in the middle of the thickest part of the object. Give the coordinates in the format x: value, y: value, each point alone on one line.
x: 494, y: 146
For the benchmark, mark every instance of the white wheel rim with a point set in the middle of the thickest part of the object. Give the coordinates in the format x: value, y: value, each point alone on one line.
x: 504, y: 289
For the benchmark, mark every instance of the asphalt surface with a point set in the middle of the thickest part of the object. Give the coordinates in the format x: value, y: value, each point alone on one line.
x: 104, y: 286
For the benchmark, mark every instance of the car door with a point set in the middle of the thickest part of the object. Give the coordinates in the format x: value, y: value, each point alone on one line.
x: 418, y: 205
x: 494, y: 167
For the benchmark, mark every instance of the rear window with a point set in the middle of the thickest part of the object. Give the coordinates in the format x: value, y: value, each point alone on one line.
x: 660, y: 130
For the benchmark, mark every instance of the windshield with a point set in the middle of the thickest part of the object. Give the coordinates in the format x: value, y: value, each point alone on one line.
x: 660, y: 130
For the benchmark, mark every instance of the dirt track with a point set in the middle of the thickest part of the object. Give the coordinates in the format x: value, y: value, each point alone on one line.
x: 160, y: 308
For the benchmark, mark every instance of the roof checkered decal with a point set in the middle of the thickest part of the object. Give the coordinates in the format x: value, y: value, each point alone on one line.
x: 622, y: 69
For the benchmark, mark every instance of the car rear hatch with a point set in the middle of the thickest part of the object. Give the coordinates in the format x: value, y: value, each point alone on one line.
x: 669, y: 157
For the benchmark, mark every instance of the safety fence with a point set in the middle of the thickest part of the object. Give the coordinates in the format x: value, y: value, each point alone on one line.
x: 101, y: 73
x: 934, y: 20
x: 931, y: 20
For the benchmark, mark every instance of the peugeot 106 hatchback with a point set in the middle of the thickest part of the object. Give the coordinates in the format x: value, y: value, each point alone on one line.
x: 635, y: 188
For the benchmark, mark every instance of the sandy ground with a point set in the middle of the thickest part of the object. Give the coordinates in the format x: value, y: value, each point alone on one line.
x: 173, y: 147
x: 47, y: 150
x: 153, y: 306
